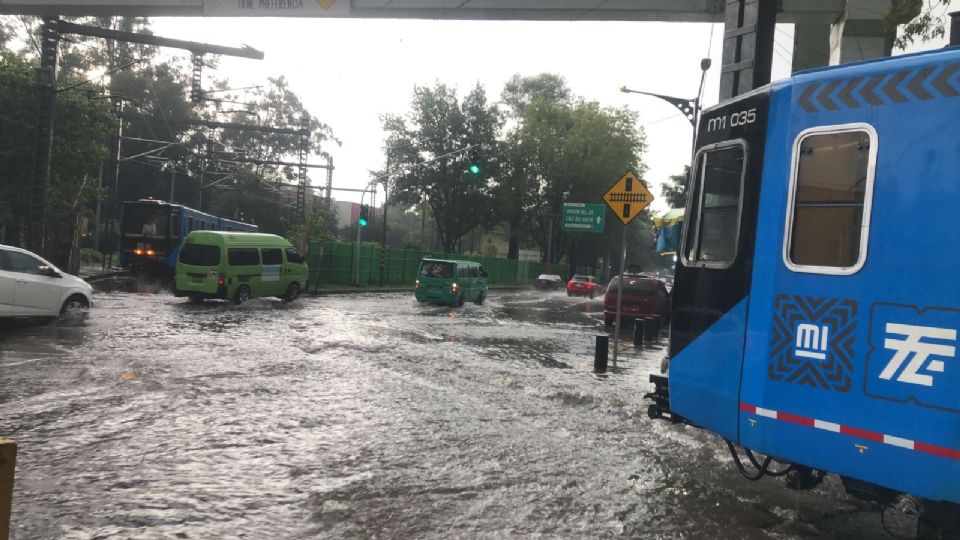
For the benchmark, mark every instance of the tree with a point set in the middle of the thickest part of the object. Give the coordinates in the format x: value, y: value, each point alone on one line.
x: 81, y: 127
x: 434, y: 146
x: 674, y: 190
x: 515, y: 189
x: 921, y: 20
x: 574, y: 152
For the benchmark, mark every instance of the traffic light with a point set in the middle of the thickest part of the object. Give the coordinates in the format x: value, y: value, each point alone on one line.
x: 474, y: 168
x: 364, y: 216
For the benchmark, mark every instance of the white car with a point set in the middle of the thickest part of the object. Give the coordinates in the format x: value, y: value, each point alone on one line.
x: 32, y: 287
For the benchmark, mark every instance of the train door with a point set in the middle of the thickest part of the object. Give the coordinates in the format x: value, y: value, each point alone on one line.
x: 713, y: 273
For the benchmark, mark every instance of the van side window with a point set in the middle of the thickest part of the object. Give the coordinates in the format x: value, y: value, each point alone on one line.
x: 713, y: 225
x: 474, y: 271
x: 271, y: 256
x: 189, y: 224
x: 294, y: 256
x: 830, y: 200
x: 243, y: 256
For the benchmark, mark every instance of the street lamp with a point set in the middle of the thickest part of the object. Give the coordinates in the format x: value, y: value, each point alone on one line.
x: 689, y: 107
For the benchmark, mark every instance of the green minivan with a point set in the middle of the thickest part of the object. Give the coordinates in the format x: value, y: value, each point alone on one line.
x: 238, y: 266
x: 451, y: 282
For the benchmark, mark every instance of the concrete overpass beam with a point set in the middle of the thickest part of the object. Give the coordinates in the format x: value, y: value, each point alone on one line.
x: 811, y: 46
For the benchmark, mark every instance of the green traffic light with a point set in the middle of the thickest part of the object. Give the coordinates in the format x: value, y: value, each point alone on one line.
x: 362, y: 222
x: 474, y: 168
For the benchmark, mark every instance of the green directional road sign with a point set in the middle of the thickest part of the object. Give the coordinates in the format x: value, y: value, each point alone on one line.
x: 583, y: 217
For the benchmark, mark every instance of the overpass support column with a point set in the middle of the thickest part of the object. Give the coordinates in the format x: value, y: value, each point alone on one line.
x: 853, y: 40
x: 811, y: 46
x: 747, y: 46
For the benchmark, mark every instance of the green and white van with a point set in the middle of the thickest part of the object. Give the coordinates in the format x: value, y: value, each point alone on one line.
x: 451, y: 282
x: 238, y: 266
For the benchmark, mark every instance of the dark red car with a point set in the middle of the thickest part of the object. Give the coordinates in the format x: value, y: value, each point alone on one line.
x: 581, y: 285
x: 643, y: 296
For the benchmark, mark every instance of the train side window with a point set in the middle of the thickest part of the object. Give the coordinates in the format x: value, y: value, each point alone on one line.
x: 174, y: 228
x: 712, y: 228
x: 828, y: 216
x: 189, y: 224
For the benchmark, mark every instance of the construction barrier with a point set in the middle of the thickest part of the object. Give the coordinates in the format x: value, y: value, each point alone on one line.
x: 347, y: 264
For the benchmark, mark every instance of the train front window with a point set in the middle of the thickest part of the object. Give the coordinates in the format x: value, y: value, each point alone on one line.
x: 830, y: 200
x: 713, y: 224
x: 145, y: 222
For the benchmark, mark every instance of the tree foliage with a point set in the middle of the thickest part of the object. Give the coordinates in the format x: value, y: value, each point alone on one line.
x: 921, y: 20
x: 161, y: 145
x: 80, y: 127
x: 674, y: 190
x: 433, y: 148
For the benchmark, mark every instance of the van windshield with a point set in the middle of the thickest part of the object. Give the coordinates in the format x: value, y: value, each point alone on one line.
x: 200, y: 255
x: 436, y: 269
x: 633, y: 286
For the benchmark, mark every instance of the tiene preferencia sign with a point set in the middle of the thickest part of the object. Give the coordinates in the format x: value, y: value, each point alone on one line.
x: 276, y: 8
x: 583, y: 217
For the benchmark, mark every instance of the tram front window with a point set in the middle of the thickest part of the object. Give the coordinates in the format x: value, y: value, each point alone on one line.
x: 714, y: 221
x: 145, y: 222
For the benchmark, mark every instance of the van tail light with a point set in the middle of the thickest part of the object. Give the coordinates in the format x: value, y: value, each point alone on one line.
x: 416, y: 284
x: 453, y: 288
x: 220, y: 280
x: 138, y: 251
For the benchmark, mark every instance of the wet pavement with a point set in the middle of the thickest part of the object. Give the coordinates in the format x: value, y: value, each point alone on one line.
x: 366, y: 416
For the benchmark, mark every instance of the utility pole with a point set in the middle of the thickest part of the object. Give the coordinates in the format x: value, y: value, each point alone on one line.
x: 46, y: 78
x: 51, y: 32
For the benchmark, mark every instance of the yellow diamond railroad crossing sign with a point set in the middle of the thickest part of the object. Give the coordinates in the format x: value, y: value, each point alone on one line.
x: 627, y: 197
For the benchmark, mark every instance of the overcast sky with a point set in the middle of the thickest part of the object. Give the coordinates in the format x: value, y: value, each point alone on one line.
x: 350, y: 71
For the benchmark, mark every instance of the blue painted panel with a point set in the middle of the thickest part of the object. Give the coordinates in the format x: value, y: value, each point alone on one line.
x: 704, y: 377
x: 908, y: 281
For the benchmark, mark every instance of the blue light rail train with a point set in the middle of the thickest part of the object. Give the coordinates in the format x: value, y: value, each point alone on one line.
x: 152, y: 232
x: 815, y: 309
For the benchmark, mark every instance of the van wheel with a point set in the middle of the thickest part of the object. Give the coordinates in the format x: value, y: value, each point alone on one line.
x: 293, y: 292
x: 480, y: 298
x: 608, y: 322
x: 195, y: 299
x: 242, y: 295
x: 74, y: 306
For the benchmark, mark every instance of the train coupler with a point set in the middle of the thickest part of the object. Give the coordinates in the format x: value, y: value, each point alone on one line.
x: 660, y: 408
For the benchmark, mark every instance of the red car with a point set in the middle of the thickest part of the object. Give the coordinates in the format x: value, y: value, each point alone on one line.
x: 643, y: 296
x: 580, y: 285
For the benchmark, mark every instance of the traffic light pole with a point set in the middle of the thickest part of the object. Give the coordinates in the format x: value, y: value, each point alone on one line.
x: 356, y: 245
x: 383, y: 230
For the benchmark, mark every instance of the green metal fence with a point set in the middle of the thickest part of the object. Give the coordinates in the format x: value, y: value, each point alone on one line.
x: 348, y: 264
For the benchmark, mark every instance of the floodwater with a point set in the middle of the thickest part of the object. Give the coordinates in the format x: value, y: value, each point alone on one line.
x: 366, y: 416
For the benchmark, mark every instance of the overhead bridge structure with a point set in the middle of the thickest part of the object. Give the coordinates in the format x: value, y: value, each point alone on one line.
x: 827, y: 32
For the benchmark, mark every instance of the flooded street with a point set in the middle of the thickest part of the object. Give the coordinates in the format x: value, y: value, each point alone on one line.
x: 366, y: 416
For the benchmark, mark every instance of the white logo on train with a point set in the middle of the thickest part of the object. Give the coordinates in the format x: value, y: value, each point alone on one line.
x: 910, y: 349
x: 812, y: 341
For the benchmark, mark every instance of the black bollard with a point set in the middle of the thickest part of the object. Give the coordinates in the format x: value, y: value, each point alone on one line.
x: 638, y: 325
x: 600, y: 354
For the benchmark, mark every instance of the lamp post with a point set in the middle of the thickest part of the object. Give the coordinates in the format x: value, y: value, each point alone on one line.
x: 689, y: 107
